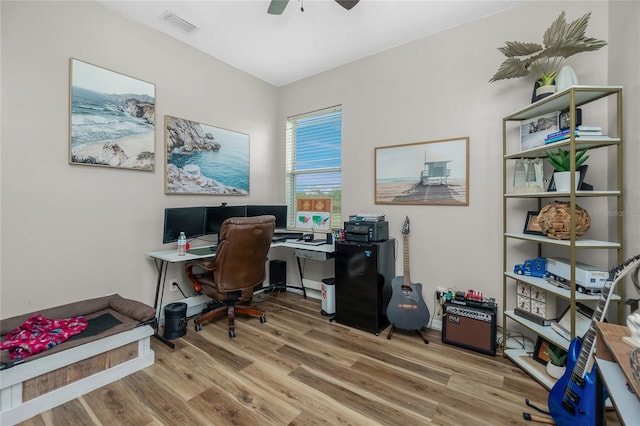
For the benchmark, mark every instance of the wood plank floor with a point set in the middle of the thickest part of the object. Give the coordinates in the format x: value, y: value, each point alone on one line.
x: 300, y: 369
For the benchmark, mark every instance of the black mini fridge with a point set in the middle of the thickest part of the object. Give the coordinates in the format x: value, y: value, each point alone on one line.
x: 363, y: 283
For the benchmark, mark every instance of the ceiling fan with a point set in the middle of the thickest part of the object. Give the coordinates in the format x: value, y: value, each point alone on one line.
x: 277, y: 6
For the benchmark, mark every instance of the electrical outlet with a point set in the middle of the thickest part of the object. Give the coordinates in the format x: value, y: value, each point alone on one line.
x: 440, y: 291
x: 174, y: 285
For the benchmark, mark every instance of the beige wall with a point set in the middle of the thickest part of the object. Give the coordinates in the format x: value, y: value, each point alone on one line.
x: 624, y: 69
x: 72, y: 232
x: 436, y: 88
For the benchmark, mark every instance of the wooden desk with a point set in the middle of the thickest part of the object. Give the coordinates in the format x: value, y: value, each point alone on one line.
x: 303, y: 250
x: 614, y: 371
x: 163, y: 258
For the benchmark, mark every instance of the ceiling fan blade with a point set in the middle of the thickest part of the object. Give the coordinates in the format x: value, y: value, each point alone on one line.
x: 347, y: 4
x: 277, y: 7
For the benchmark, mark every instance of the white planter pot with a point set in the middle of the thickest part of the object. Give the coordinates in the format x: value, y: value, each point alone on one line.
x: 555, y: 371
x: 566, y: 78
x: 549, y: 89
x: 563, y: 181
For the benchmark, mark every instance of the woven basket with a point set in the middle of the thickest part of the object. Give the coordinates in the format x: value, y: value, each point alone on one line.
x: 555, y: 220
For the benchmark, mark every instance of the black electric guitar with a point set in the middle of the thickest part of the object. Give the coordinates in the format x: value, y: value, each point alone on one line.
x: 406, y: 309
x: 572, y: 400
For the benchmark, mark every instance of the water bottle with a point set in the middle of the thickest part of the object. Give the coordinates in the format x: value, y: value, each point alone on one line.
x: 182, y: 244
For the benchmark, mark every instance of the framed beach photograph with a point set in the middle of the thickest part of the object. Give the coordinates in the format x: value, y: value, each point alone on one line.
x: 203, y: 159
x: 531, y: 224
x: 435, y: 172
x: 111, y: 119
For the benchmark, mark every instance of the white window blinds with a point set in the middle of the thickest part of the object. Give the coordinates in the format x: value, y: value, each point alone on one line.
x: 314, y: 160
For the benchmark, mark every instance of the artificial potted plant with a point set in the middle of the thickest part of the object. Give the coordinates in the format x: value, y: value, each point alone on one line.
x: 561, y: 162
x: 557, y: 356
x: 561, y: 40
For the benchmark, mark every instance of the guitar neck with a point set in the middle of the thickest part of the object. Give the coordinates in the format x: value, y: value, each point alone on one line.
x: 587, y: 350
x: 405, y: 259
x: 588, y: 341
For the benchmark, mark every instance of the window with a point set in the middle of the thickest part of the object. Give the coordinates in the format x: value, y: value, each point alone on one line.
x: 314, y: 160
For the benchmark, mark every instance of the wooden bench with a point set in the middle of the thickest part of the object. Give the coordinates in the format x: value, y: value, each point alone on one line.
x: 77, y: 366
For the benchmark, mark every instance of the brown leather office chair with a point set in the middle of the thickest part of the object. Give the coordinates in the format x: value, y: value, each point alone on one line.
x: 238, y: 268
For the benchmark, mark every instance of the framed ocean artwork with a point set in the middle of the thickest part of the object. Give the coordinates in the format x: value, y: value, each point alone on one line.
x: 203, y: 159
x: 112, y: 119
x: 435, y: 172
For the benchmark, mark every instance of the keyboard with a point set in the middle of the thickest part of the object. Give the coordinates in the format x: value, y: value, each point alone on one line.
x: 202, y: 251
x: 287, y: 234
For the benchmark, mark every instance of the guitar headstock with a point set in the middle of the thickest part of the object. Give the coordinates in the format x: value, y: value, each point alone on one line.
x: 623, y: 268
x: 405, y: 226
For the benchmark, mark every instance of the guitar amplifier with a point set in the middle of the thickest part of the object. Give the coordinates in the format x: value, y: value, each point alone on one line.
x: 470, y: 327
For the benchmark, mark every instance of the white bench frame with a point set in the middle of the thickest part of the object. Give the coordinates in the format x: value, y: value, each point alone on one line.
x: 14, y: 410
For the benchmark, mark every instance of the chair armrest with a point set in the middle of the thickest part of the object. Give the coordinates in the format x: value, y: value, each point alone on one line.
x: 205, y: 264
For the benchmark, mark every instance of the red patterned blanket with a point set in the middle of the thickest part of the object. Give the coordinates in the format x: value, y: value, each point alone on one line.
x: 39, y: 333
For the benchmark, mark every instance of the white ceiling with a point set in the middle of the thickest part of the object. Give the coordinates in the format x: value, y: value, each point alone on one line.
x: 286, y: 48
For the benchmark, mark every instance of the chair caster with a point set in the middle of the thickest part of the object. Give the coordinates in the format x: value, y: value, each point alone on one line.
x: 232, y: 334
x: 263, y: 319
x: 198, y: 327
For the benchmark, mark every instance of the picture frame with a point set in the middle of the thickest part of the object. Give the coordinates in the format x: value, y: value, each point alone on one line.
x: 313, y: 213
x: 534, y: 130
x: 583, y: 320
x: 531, y: 224
x: 540, y: 353
x: 423, y: 173
x: 205, y: 160
x: 111, y: 118
x: 564, y: 119
x: 581, y: 183
x: 528, y: 175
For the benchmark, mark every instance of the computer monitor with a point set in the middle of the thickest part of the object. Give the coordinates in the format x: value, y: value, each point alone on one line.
x: 280, y: 212
x: 189, y: 220
x: 216, y: 215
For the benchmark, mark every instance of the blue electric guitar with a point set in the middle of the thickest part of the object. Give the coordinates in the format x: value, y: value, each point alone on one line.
x: 572, y: 400
x: 407, y: 309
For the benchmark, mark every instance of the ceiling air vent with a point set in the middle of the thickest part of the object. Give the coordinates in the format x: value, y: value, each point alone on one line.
x: 173, y: 19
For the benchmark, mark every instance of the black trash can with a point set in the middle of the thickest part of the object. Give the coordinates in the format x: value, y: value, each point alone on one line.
x: 175, y: 320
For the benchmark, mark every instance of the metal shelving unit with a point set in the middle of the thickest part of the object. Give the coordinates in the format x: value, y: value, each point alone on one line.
x: 569, y: 99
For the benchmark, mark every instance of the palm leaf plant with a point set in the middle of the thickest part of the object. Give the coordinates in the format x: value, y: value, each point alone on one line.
x: 560, y: 41
x: 561, y: 161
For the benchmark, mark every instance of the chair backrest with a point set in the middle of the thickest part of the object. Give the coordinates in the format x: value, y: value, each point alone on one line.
x: 242, y: 252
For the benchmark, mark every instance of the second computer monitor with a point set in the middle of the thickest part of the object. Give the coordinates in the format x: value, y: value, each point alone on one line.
x: 216, y: 215
x: 279, y: 211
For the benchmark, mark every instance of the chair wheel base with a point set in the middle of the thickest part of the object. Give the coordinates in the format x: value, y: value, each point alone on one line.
x: 232, y: 334
x: 263, y: 319
x: 198, y: 327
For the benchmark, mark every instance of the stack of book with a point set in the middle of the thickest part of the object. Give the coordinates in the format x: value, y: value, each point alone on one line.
x: 584, y: 131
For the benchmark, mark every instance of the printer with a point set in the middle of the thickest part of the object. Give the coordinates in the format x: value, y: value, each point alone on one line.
x: 366, y: 231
